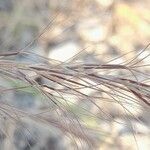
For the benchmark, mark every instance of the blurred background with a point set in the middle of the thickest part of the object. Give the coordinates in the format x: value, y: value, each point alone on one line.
x: 60, y: 29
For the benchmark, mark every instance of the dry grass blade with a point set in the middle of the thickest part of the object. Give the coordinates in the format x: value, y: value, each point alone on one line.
x: 70, y: 85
